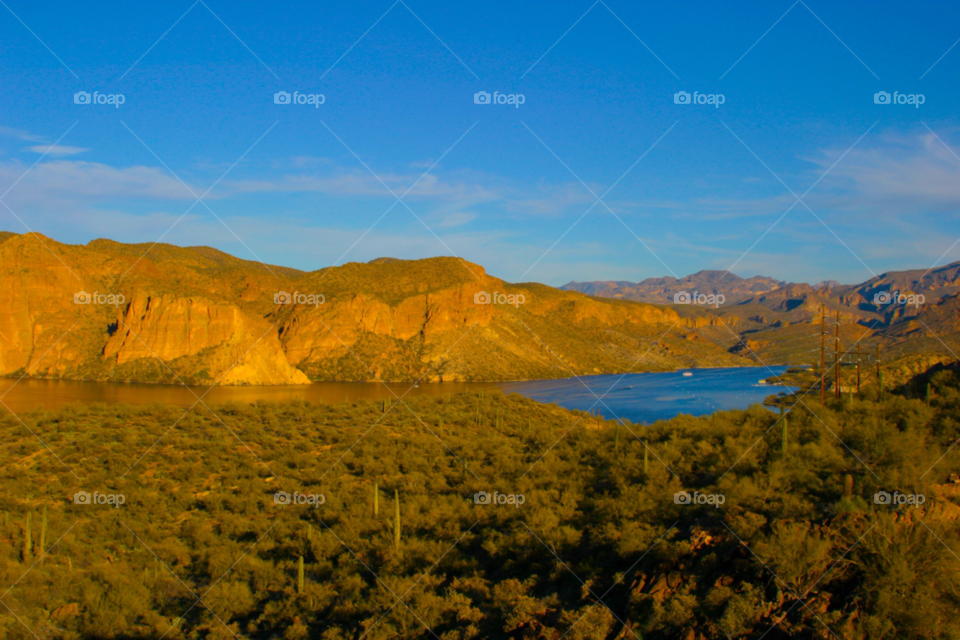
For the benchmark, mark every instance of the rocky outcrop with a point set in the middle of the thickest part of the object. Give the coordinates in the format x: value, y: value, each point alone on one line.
x: 312, y: 333
x: 237, y: 349
x: 66, y: 312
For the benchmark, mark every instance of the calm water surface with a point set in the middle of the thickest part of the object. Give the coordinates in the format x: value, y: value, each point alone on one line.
x: 648, y: 397
x: 639, y: 397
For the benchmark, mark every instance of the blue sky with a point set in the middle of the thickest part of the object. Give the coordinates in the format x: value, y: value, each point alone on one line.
x: 684, y: 187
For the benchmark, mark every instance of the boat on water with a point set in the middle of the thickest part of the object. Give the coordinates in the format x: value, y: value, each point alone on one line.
x: 687, y: 374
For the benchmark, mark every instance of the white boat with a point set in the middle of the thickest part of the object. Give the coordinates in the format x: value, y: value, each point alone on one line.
x: 687, y: 374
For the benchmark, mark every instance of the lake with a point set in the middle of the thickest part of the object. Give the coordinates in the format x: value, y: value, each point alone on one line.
x: 639, y: 397
x: 648, y: 397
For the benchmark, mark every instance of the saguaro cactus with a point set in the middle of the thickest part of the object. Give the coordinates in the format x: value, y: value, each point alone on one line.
x: 43, y: 531
x: 783, y: 436
x: 848, y: 486
x: 646, y: 451
x: 300, y: 575
x: 396, y: 521
x: 616, y: 438
x: 25, y: 552
x: 376, y: 500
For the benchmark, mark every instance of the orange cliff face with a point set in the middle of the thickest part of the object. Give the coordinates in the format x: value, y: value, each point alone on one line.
x: 313, y: 333
x: 199, y: 316
x: 237, y: 348
x: 46, y: 333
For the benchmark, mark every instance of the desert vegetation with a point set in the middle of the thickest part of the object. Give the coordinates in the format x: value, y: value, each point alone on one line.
x: 598, y: 547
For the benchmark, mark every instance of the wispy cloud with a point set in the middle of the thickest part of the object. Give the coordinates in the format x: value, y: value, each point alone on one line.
x: 20, y: 134
x: 897, y: 174
x: 63, y: 181
x: 59, y: 150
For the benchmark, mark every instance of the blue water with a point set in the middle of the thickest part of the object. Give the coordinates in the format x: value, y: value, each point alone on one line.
x: 647, y: 397
x: 639, y: 397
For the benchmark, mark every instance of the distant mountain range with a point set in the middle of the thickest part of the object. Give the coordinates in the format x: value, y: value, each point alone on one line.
x: 662, y: 290
x: 865, y: 300
x: 773, y: 321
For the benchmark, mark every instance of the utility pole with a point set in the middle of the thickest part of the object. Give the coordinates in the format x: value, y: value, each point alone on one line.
x: 836, y: 356
x: 823, y: 364
x: 858, y: 368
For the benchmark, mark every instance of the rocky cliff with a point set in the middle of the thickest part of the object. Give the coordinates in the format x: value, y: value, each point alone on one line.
x: 159, y: 313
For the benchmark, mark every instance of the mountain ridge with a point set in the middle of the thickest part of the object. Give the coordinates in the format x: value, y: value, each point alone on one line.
x: 201, y: 316
x: 778, y: 322
x: 662, y: 289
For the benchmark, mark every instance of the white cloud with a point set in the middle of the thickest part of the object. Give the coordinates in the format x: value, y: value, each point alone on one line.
x: 897, y: 174
x: 58, y: 150
x: 456, y: 219
x: 20, y: 134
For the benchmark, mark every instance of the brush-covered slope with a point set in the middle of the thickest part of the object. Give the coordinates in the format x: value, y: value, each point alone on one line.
x: 201, y: 316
